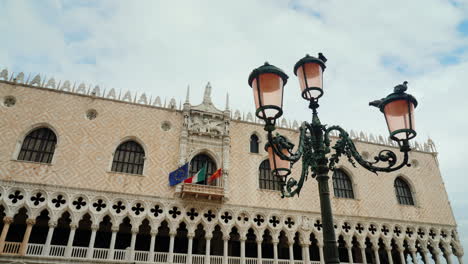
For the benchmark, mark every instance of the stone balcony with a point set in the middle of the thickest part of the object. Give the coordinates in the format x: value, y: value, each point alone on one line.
x: 202, y: 191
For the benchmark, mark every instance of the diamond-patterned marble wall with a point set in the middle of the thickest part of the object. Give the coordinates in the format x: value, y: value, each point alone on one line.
x: 84, y: 154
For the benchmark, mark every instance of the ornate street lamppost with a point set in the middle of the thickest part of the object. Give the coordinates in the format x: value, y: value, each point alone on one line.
x: 314, y: 147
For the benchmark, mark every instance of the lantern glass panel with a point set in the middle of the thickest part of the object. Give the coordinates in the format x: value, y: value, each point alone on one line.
x: 400, y: 119
x: 281, y: 167
x: 313, y: 79
x: 271, y: 94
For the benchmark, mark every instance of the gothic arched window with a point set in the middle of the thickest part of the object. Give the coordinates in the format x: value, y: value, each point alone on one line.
x: 197, y: 163
x: 254, y: 144
x: 267, y: 180
x: 129, y: 158
x: 342, y: 185
x: 403, y: 192
x: 38, y: 146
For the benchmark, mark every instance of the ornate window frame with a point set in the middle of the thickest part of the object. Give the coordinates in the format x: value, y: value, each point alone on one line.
x: 27, y: 131
x: 145, y: 158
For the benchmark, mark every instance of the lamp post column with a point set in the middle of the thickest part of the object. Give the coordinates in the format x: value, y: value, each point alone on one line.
x: 329, y: 239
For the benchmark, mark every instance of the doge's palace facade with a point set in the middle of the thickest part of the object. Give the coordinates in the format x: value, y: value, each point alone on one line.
x: 84, y: 179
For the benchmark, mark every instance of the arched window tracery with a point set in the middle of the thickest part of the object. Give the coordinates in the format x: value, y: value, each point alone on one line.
x: 403, y: 192
x: 197, y: 163
x: 38, y: 146
x: 266, y: 179
x: 254, y: 142
x: 129, y: 157
x: 342, y: 185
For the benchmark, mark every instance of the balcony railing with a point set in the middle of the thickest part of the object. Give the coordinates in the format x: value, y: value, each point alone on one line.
x: 125, y: 255
x: 206, y: 191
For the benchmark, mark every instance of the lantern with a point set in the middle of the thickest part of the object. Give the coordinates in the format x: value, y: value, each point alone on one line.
x: 280, y: 168
x: 398, y: 108
x: 309, y: 70
x: 268, y: 83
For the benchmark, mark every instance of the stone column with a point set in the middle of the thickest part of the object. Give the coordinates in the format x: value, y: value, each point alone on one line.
x: 170, y: 258
x: 413, y: 255
x: 402, y: 255
x: 322, y: 259
x: 275, y: 251
x: 190, y: 236
x: 388, y: 249
x: 389, y: 255
x: 305, y: 252
x: 259, y: 250
x: 152, y: 243
x: 208, y: 248
x: 349, y: 247
x: 89, y: 254
x: 424, y: 253
x: 71, y: 237
x: 50, y: 234
x: 448, y: 254
x: 7, y: 220
x: 27, y: 234
x: 132, y: 244
x: 242, y: 248
x: 362, y: 247
x: 291, y: 252
x: 225, y: 248
x: 375, y: 248
x: 114, y: 229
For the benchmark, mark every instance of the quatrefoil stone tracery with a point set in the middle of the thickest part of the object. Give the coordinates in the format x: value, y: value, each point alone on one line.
x: 38, y: 198
x: 99, y: 205
x: 16, y: 196
x: 119, y: 207
x: 59, y: 201
x: 156, y: 210
x: 79, y: 203
x: 138, y: 209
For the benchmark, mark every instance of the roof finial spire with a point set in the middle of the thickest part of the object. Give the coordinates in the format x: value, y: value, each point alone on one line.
x: 207, y: 96
x: 187, y: 97
x: 227, y: 101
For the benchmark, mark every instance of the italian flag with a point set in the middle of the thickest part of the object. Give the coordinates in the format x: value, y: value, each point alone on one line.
x: 199, y: 177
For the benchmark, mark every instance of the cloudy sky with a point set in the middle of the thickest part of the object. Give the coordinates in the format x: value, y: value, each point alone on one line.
x: 160, y: 47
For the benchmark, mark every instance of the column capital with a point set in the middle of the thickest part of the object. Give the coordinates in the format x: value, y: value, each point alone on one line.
x: 208, y: 236
x: 259, y: 240
x: 115, y: 228
x: 153, y: 232
x: 52, y: 224
x: 172, y: 233
x: 73, y: 226
x: 226, y: 237
x: 135, y: 230
x: 30, y: 221
x: 94, y: 227
x: 305, y: 244
x: 8, y: 220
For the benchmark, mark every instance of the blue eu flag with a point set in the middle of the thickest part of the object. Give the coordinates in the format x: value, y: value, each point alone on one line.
x: 178, y: 175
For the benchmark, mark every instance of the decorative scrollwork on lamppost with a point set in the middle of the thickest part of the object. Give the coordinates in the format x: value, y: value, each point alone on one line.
x: 314, y: 147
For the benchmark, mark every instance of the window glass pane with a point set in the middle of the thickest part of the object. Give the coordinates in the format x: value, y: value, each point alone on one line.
x: 267, y: 179
x: 124, y: 158
x: 38, y: 146
x: 342, y: 185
